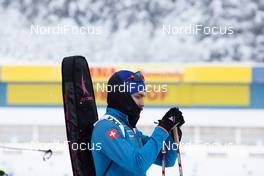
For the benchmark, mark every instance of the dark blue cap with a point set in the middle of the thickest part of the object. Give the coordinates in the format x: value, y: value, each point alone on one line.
x: 134, y: 81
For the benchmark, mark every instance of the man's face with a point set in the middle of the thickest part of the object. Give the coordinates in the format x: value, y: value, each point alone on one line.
x: 139, y: 98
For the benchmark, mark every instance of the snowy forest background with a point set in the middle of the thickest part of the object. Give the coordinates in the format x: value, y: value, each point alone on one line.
x: 132, y: 31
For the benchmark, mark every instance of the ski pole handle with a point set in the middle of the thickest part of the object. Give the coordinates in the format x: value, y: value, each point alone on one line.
x: 176, y: 136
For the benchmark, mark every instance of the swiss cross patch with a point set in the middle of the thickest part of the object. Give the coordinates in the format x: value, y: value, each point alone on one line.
x: 112, y: 134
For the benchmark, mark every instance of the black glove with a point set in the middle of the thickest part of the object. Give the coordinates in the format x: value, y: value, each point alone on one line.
x: 173, y: 118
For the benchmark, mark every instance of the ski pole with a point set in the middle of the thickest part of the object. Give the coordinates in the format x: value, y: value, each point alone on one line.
x: 176, y: 140
x: 47, y: 153
x: 163, y: 152
x: 163, y: 158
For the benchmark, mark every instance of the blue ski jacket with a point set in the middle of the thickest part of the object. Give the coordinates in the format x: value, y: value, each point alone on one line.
x: 126, y: 151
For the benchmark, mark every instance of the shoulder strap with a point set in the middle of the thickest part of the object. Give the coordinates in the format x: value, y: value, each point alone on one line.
x: 108, y: 167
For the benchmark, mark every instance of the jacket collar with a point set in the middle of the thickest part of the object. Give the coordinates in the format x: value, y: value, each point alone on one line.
x: 117, y: 114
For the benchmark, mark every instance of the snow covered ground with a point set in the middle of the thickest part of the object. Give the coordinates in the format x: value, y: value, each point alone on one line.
x: 198, y: 159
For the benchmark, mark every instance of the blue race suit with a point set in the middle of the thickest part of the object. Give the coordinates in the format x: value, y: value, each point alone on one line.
x: 126, y: 151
